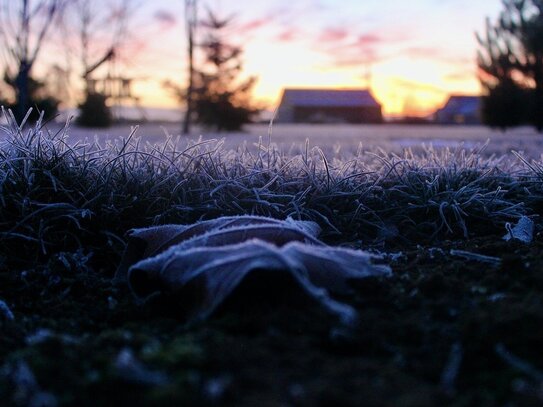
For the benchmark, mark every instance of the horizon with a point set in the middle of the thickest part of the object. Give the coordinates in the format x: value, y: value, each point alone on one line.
x: 411, y: 57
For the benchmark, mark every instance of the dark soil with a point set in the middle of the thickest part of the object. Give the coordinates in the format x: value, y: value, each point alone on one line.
x: 442, y: 330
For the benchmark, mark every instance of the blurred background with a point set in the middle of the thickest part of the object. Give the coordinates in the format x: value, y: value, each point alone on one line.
x: 220, y: 65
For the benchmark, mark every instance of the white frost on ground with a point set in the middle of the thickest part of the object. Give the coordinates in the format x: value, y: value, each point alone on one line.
x: 333, y: 139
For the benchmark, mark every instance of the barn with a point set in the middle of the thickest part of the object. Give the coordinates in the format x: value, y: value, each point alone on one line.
x: 328, y: 106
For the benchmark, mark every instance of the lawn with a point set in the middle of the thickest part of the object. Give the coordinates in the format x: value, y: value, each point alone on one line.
x: 457, y: 322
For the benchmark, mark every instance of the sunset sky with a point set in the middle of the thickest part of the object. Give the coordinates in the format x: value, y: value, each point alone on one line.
x: 412, y: 54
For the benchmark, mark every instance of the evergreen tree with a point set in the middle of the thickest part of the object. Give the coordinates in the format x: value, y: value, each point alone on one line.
x: 507, y: 105
x: 215, y: 96
x: 220, y: 99
x: 511, y: 65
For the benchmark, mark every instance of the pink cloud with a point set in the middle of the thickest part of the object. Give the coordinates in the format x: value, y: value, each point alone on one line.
x: 255, y: 24
x: 288, y: 35
x: 364, y: 43
x: 365, y: 49
x: 369, y: 39
x: 333, y: 35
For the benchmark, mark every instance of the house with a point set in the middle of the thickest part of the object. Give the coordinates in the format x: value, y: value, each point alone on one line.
x: 460, y: 110
x: 328, y: 106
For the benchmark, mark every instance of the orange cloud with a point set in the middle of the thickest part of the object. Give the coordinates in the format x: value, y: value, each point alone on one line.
x: 459, y: 76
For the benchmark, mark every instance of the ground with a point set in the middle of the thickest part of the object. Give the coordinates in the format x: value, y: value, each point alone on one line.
x: 443, y: 329
x: 437, y: 332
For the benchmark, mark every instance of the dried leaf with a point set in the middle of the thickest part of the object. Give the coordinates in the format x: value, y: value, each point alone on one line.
x: 206, y: 262
x: 148, y: 242
x: 523, y: 230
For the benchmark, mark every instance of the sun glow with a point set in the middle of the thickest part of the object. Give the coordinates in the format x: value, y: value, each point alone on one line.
x: 404, y: 87
x: 410, y: 67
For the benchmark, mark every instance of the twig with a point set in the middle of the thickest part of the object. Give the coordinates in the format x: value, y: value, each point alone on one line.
x: 518, y: 364
x: 495, y: 261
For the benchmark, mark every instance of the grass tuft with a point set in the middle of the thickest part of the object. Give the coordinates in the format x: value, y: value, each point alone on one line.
x: 56, y: 197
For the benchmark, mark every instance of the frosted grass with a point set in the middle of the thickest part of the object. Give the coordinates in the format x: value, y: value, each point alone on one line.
x: 57, y: 195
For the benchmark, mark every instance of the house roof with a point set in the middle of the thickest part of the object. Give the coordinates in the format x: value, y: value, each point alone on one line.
x: 462, y: 105
x: 329, y: 98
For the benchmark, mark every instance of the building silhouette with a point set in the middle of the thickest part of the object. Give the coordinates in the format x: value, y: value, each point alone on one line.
x: 460, y: 110
x: 328, y: 106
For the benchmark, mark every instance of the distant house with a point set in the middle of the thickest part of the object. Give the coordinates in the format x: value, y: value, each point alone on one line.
x: 460, y: 110
x: 328, y: 106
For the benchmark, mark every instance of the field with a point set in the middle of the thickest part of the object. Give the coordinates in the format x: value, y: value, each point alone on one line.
x: 334, y: 139
x: 457, y: 323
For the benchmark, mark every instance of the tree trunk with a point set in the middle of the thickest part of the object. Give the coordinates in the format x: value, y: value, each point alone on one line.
x: 190, y: 89
x: 23, y: 97
x: 538, y: 99
x: 538, y: 119
x: 191, y: 20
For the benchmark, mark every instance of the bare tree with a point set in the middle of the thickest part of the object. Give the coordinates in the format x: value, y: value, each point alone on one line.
x: 191, y: 22
x: 24, y: 26
x: 100, y: 27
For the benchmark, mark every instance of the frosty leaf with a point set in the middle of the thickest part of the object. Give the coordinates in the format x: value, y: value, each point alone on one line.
x: 204, y: 263
x: 147, y: 242
x: 212, y: 274
x: 523, y: 230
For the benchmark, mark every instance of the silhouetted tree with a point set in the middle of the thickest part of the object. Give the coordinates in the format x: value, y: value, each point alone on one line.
x: 511, y: 65
x: 507, y: 105
x: 24, y: 27
x: 219, y: 98
x: 38, y: 98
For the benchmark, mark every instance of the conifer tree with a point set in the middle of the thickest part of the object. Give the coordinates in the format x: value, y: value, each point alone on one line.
x: 221, y: 100
x: 511, y: 65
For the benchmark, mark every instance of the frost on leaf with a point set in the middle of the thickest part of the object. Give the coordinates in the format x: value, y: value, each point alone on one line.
x: 207, y: 261
x: 523, y: 230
